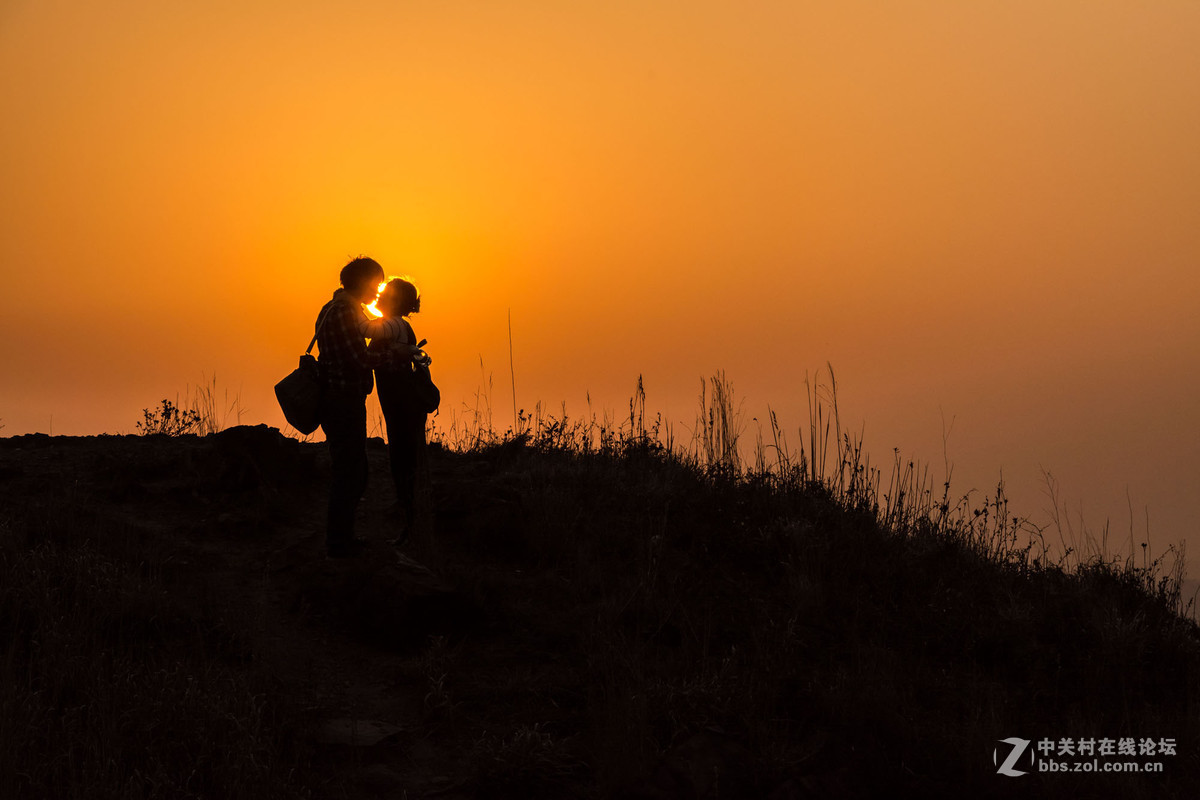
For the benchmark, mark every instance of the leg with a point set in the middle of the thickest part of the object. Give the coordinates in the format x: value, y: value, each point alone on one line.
x: 392, y: 387
x: 409, y: 447
x: 401, y: 463
x: 345, y: 425
x: 402, y: 460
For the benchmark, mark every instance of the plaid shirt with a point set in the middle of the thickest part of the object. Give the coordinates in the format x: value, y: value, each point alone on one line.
x: 344, y: 361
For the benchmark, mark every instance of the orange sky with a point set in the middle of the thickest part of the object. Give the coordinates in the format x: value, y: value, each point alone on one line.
x: 981, y: 209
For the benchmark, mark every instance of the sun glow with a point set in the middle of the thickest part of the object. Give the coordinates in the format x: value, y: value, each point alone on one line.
x: 371, y: 309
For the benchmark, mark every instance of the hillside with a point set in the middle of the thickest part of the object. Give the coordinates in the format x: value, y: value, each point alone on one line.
x: 562, y: 624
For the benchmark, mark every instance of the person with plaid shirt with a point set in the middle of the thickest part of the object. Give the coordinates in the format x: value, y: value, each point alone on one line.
x: 345, y: 367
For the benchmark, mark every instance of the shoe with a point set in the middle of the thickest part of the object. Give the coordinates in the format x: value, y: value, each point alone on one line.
x: 346, y: 549
x: 402, y: 518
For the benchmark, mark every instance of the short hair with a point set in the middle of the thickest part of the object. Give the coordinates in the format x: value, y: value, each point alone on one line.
x: 361, y: 270
x: 400, y: 297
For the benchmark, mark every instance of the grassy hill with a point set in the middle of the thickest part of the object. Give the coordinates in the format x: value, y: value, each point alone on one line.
x: 574, y: 617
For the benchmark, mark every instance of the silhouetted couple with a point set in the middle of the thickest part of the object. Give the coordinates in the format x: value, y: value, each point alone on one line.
x: 346, y: 365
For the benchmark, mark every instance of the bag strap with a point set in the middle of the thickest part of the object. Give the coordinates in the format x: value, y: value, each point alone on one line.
x: 320, y: 322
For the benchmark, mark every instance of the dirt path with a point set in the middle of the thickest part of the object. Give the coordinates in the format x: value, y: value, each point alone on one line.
x: 321, y: 626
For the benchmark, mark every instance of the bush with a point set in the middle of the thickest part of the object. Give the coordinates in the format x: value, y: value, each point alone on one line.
x: 169, y: 419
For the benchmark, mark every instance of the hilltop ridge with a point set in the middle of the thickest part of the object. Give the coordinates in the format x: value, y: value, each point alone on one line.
x: 562, y: 624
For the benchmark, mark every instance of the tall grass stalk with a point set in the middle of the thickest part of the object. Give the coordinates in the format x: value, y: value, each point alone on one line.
x: 718, y: 426
x: 215, y: 410
x: 512, y: 374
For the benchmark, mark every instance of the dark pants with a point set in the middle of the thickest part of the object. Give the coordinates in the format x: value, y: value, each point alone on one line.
x: 344, y: 420
x: 405, y: 431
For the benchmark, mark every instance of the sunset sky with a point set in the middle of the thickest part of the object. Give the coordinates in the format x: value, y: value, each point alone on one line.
x: 984, y: 212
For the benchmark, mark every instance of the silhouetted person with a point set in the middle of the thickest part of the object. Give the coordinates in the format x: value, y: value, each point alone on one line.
x: 345, y: 367
x: 402, y: 411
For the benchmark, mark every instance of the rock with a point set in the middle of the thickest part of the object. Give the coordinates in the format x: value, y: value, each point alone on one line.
x: 356, y: 732
x: 256, y: 456
x: 385, y: 599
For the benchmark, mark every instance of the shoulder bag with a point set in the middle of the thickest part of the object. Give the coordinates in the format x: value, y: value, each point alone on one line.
x: 299, y: 394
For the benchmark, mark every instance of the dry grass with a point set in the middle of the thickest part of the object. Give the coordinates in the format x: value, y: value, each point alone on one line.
x: 203, y: 411
x: 111, y: 685
x: 834, y: 623
x: 215, y: 410
x: 809, y: 605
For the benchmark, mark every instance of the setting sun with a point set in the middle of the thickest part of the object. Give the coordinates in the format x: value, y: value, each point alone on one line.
x: 371, y: 308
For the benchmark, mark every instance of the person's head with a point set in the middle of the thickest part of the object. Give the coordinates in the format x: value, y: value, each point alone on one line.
x: 361, y: 278
x: 400, y: 297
